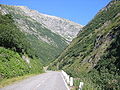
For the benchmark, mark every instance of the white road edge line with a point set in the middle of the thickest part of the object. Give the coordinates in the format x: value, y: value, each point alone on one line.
x: 38, y: 85
x: 65, y: 82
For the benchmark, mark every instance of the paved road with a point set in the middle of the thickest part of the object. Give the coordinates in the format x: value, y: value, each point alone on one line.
x: 47, y: 81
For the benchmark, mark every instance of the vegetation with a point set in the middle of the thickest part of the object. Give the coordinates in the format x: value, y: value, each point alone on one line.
x: 13, y: 45
x: 43, y: 50
x: 10, y: 36
x: 12, y: 65
x: 48, y: 48
x: 88, y: 84
x: 94, y: 54
x: 9, y: 81
x: 108, y: 66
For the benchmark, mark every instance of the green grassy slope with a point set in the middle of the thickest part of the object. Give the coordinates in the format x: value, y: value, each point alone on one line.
x: 13, y: 46
x: 47, y: 48
x: 12, y: 65
x: 43, y: 50
x: 95, y: 53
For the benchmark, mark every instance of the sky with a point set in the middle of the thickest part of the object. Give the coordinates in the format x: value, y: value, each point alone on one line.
x: 79, y: 11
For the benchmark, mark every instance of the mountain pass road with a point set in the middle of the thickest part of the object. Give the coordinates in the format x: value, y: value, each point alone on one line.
x: 47, y: 81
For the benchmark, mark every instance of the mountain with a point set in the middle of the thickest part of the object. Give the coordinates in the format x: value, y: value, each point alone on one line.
x: 60, y: 26
x: 16, y: 55
x: 95, y: 53
x: 48, y: 35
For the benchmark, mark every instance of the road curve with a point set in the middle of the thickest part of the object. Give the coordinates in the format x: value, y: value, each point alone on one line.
x: 47, y: 81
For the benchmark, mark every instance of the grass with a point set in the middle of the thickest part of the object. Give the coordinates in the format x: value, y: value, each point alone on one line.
x: 12, y: 65
x: 88, y: 85
x: 46, y: 51
x: 95, y: 52
x: 6, y: 81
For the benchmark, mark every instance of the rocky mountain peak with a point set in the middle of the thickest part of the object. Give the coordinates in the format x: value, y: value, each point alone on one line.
x: 60, y: 26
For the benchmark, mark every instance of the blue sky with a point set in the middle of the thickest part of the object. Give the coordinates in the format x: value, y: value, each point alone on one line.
x: 79, y: 11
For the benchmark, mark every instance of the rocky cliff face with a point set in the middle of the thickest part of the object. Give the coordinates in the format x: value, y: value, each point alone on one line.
x: 65, y: 28
x: 48, y: 35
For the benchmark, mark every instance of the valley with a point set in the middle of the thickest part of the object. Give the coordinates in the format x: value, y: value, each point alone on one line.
x: 94, y: 53
x: 31, y: 41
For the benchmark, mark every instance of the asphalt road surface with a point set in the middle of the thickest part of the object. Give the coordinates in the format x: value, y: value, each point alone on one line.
x: 47, y: 81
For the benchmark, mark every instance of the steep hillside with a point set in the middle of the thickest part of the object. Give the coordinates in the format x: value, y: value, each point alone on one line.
x: 60, y: 26
x: 48, y: 35
x: 16, y: 56
x: 96, y: 50
x: 13, y: 65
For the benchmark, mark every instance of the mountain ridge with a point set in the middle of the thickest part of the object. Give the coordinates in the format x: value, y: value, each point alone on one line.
x: 55, y: 24
x: 94, y: 53
x: 46, y: 42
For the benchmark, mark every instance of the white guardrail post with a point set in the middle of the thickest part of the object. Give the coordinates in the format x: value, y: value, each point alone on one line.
x: 68, y: 80
x: 66, y: 77
x: 71, y: 81
x: 81, y: 85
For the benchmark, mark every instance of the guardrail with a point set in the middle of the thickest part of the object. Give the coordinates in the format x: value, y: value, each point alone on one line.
x: 69, y: 80
x: 81, y: 85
